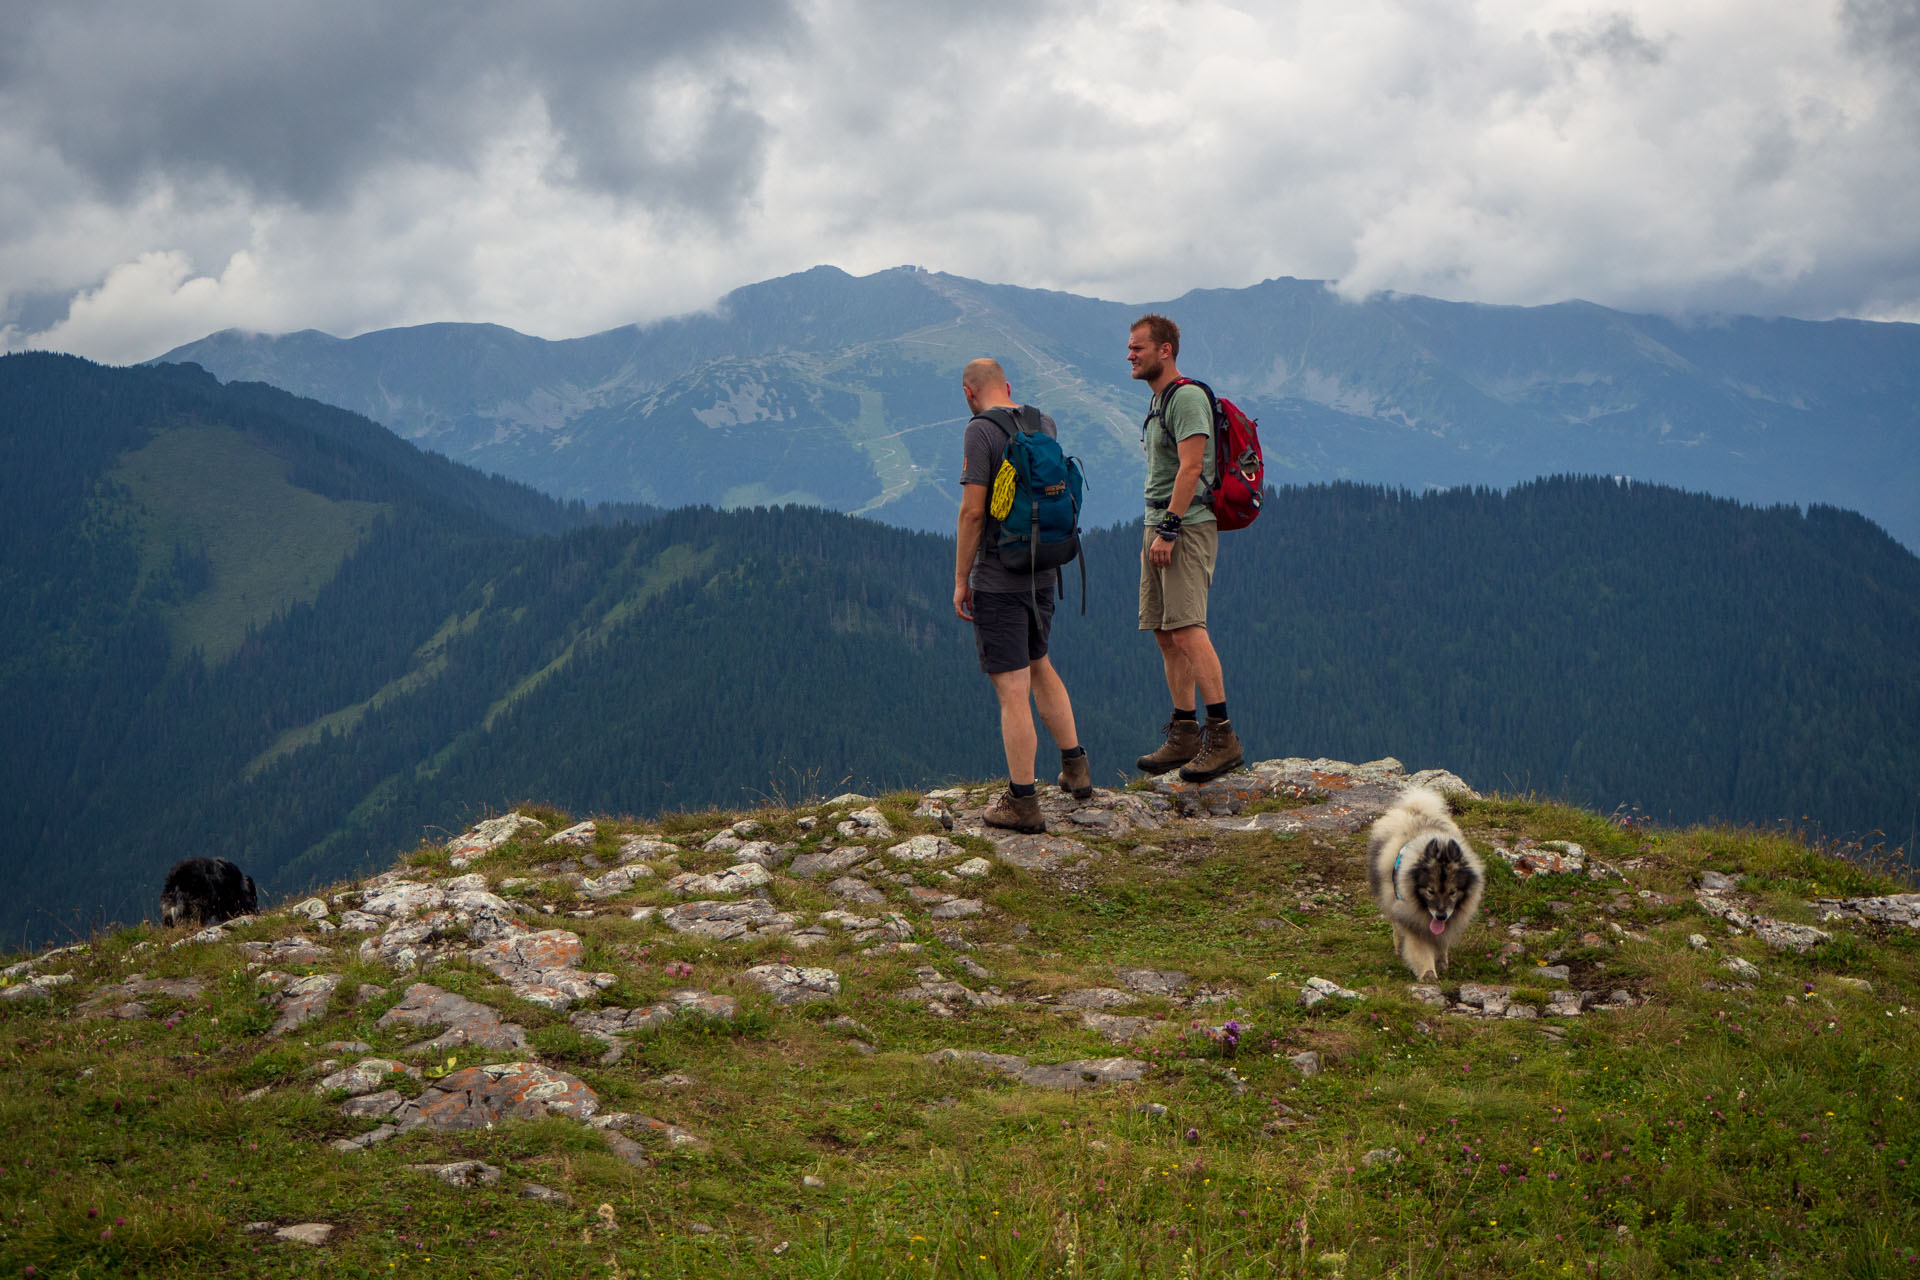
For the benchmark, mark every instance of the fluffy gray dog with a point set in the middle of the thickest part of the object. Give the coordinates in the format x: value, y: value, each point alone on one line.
x: 1425, y: 878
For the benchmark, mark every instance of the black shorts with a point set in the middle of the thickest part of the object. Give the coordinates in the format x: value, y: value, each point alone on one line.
x: 1010, y: 628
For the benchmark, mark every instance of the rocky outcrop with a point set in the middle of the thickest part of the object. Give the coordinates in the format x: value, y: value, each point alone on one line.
x: 462, y: 1021
x: 490, y: 835
x: 541, y: 967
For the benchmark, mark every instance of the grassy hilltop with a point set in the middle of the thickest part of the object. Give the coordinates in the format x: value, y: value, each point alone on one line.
x: 1715, y: 1120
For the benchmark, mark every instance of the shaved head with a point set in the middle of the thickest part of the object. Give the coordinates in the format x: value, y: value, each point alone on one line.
x: 983, y: 375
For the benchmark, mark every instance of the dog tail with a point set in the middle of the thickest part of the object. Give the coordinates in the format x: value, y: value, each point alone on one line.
x: 1424, y: 802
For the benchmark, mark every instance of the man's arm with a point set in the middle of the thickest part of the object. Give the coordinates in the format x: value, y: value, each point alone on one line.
x: 973, y: 518
x: 1193, y: 456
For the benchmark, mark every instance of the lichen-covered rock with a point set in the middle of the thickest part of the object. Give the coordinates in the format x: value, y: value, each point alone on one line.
x: 540, y: 967
x: 461, y: 1173
x: 865, y: 824
x: 789, y: 984
x: 925, y: 849
x: 854, y: 889
x: 366, y: 1076
x: 481, y: 1097
x: 1318, y: 990
x: 827, y: 862
x: 487, y: 836
x: 616, y: 882
x: 1152, y: 982
x: 609, y: 1024
x: 1036, y: 853
x: 1901, y: 909
x: 742, y: 877
x: 580, y: 835
x: 286, y: 951
x: 302, y: 1001
x: 634, y: 848
x: 1097, y: 998
x: 725, y: 921
x: 463, y: 1021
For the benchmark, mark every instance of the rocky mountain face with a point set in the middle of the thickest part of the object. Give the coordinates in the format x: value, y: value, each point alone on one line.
x: 825, y: 389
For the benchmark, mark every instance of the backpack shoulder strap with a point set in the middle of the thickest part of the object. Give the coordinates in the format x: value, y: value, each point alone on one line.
x: 1008, y: 420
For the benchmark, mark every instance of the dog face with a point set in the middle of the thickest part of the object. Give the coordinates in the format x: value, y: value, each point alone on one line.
x: 1442, y: 882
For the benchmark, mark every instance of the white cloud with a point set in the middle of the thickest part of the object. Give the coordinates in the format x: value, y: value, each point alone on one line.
x: 596, y: 168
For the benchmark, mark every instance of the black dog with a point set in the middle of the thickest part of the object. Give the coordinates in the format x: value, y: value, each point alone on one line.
x: 208, y: 890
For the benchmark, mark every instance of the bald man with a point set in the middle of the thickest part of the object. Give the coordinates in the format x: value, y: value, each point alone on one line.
x: 1011, y: 613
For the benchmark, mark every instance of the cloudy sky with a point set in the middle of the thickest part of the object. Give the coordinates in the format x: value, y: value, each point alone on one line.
x: 170, y: 170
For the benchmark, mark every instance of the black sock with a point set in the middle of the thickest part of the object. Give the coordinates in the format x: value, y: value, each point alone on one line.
x: 1021, y: 790
x: 1188, y: 714
x: 1216, y: 711
x: 1073, y: 753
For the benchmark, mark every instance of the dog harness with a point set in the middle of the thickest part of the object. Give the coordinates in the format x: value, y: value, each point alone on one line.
x: 1396, y: 866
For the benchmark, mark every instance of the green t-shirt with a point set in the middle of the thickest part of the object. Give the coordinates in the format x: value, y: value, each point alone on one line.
x: 1187, y: 415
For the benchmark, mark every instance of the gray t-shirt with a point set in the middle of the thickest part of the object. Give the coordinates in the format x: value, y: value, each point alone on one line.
x: 984, y: 449
x: 1187, y: 415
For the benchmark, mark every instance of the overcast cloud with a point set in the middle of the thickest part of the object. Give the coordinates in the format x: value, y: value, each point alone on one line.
x: 170, y: 170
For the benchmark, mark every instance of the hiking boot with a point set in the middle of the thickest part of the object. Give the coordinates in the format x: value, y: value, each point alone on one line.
x: 1219, y: 752
x: 1017, y: 813
x: 1076, y: 777
x: 1182, y: 745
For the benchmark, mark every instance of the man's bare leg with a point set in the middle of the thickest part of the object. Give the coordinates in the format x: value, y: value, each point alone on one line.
x: 1198, y: 663
x: 1056, y: 711
x: 1017, y: 734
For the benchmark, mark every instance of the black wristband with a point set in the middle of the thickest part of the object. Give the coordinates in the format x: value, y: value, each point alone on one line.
x: 1169, y: 526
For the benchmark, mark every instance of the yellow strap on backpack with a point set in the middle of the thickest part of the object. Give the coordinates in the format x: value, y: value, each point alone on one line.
x: 1003, y: 482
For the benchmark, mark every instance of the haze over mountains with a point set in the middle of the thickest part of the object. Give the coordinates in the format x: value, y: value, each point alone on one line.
x: 830, y: 390
x: 246, y: 624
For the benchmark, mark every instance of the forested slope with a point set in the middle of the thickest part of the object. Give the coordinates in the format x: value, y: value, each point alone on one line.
x: 1608, y: 643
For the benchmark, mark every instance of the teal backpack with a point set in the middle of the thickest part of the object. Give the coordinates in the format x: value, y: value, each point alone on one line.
x: 1035, y: 499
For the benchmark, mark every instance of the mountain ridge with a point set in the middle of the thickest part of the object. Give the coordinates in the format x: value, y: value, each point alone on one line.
x: 1393, y: 389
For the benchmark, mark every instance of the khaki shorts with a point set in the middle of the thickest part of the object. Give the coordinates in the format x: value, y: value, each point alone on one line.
x: 1176, y: 596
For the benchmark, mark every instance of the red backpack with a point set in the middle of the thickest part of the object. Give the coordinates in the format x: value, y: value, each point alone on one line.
x: 1234, y: 495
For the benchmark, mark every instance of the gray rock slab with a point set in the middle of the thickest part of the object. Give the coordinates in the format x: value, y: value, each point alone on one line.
x: 482, y: 1097
x: 487, y: 836
x: 808, y: 866
x: 1097, y: 998
x: 957, y: 909
x: 925, y: 849
x: 369, y: 1075
x: 1153, y: 982
x: 373, y: 1106
x: 461, y: 1173
x: 539, y: 967
x: 615, y: 882
x: 725, y: 921
x: 865, y: 824
x: 308, y: 1233
x: 1901, y: 909
x: 1080, y: 1074
x: 854, y: 889
x: 1116, y: 1027
x: 610, y: 1024
x: 637, y: 848
x: 463, y: 1021
x: 303, y: 1001
x: 790, y: 984
x: 740, y: 878
x: 1036, y: 853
